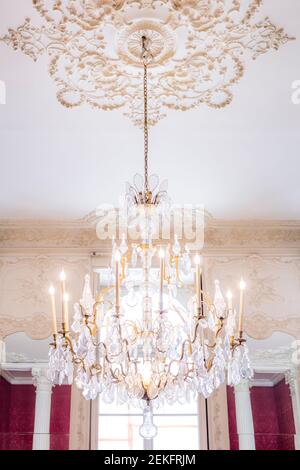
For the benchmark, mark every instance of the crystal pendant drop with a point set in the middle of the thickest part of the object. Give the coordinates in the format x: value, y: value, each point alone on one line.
x: 148, y: 430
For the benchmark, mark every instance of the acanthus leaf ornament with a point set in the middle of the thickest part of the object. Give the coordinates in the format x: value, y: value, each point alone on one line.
x: 199, y: 50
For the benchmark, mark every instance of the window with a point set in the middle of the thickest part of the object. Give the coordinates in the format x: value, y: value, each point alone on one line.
x: 178, y: 428
x: 118, y: 426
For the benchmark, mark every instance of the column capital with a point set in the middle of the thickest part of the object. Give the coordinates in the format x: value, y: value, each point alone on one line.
x: 243, y: 386
x: 292, y: 379
x: 40, y: 379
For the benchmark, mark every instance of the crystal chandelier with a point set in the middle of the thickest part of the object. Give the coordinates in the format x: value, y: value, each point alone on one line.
x: 139, y: 340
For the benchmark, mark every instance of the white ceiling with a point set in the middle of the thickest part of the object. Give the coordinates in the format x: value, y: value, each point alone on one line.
x: 240, y: 162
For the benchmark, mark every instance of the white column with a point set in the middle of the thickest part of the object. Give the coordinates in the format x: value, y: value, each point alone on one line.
x: 292, y: 379
x: 244, y: 417
x: 41, y: 437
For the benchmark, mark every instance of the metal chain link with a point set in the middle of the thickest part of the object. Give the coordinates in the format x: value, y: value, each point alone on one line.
x: 146, y: 132
x: 145, y: 57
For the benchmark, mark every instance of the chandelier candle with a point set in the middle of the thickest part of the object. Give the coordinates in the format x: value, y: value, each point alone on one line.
x: 63, y: 291
x: 53, y: 309
x: 66, y: 299
x: 241, y: 316
x: 198, y: 263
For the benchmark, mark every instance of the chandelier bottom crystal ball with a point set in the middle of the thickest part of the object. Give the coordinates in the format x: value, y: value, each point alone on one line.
x: 153, y: 336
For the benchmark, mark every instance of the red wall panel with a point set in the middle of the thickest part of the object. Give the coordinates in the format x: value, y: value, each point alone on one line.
x: 4, y: 412
x: 60, y: 418
x: 284, y: 408
x: 17, y: 404
x: 264, y: 410
x: 273, y: 420
x: 17, y: 409
x: 273, y: 417
x: 233, y: 435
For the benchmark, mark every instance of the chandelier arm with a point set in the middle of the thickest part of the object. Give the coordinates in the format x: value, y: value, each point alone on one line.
x: 186, y: 342
x: 178, y: 313
x: 180, y: 282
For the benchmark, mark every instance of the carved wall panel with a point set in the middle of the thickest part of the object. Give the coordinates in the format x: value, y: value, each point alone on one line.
x: 218, y: 420
x: 273, y: 290
x: 80, y: 421
x: 24, y: 284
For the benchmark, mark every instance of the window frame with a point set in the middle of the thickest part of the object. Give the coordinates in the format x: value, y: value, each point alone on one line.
x: 148, y: 444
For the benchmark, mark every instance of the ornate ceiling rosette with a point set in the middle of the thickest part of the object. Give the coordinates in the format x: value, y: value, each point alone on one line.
x: 198, y: 47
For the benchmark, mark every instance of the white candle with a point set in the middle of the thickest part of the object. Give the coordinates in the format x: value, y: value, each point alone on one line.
x: 162, y: 275
x: 66, y: 311
x: 63, y: 281
x: 63, y: 291
x: 198, y: 262
x: 53, y: 309
x: 241, y: 316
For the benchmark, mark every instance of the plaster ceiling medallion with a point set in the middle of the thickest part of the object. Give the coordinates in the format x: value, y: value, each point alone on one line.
x: 198, y: 50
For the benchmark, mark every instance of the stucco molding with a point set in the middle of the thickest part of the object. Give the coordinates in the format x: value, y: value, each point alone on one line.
x: 37, y: 326
x: 218, y: 420
x: 239, y: 236
x: 24, y: 283
x: 260, y: 326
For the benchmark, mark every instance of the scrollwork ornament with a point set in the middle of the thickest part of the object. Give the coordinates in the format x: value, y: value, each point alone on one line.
x: 199, y: 50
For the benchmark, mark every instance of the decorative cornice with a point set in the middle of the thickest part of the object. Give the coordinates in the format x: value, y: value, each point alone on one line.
x: 8, y: 372
x: 13, y: 380
x: 80, y: 236
x: 267, y: 382
x: 47, y: 234
x: 272, y: 360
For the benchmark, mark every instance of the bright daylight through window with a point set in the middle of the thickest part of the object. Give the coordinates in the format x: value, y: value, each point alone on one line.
x: 178, y: 428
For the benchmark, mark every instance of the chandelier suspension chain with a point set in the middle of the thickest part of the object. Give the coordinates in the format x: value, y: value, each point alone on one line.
x: 145, y: 57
